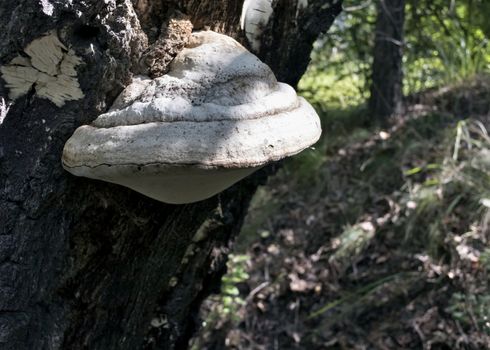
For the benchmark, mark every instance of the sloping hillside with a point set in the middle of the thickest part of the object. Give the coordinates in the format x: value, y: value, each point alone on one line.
x: 377, y: 239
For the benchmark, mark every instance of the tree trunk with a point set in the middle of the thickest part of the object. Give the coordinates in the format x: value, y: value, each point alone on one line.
x: 387, y: 77
x: 90, y: 265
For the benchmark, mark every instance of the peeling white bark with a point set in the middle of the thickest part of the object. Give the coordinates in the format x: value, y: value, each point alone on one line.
x: 302, y: 4
x: 254, y: 19
x: 50, y: 68
x: 47, y: 7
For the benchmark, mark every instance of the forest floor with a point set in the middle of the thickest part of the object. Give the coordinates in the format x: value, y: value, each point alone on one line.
x: 377, y: 239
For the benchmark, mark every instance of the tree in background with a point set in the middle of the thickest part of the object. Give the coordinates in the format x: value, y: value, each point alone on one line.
x: 386, y: 97
x: 444, y: 42
x: 447, y: 42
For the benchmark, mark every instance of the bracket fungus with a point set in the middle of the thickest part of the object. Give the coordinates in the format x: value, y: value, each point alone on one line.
x: 216, y: 117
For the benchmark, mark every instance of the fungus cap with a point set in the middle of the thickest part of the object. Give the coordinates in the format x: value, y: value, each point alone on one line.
x: 216, y: 117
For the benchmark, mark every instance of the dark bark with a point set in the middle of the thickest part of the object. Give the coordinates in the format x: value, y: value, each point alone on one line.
x: 387, y: 77
x: 86, y: 264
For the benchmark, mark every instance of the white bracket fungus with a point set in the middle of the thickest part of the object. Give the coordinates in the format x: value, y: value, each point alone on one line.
x: 50, y: 68
x: 254, y: 19
x: 216, y: 117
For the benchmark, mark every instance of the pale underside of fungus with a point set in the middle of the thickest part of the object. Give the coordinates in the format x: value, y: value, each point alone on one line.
x: 216, y: 117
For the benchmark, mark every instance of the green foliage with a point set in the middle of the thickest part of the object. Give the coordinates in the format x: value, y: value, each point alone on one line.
x: 231, y: 301
x: 445, y: 42
x: 471, y: 310
x: 332, y: 88
x: 338, y: 76
x: 485, y: 259
x: 457, y: 186
x: 223, y: 311
x: 227, y: 304
x: 481, y: 16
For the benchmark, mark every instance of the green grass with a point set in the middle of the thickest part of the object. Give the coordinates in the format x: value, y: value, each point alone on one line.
x: 455, y: 191
x: 471, y: 310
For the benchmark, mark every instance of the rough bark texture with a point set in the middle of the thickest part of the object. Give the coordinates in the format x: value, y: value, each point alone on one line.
x: 90, y: 265
x: 387, y: 79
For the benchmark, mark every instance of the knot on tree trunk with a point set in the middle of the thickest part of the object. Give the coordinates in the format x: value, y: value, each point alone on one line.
x: 174, y: 36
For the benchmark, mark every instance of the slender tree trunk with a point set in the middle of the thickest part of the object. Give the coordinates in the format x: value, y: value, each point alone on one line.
x: 89, y: 265
x: 387, y: 77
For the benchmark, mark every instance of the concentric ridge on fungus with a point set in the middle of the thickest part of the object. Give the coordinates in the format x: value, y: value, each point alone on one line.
x: 216, y: 117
